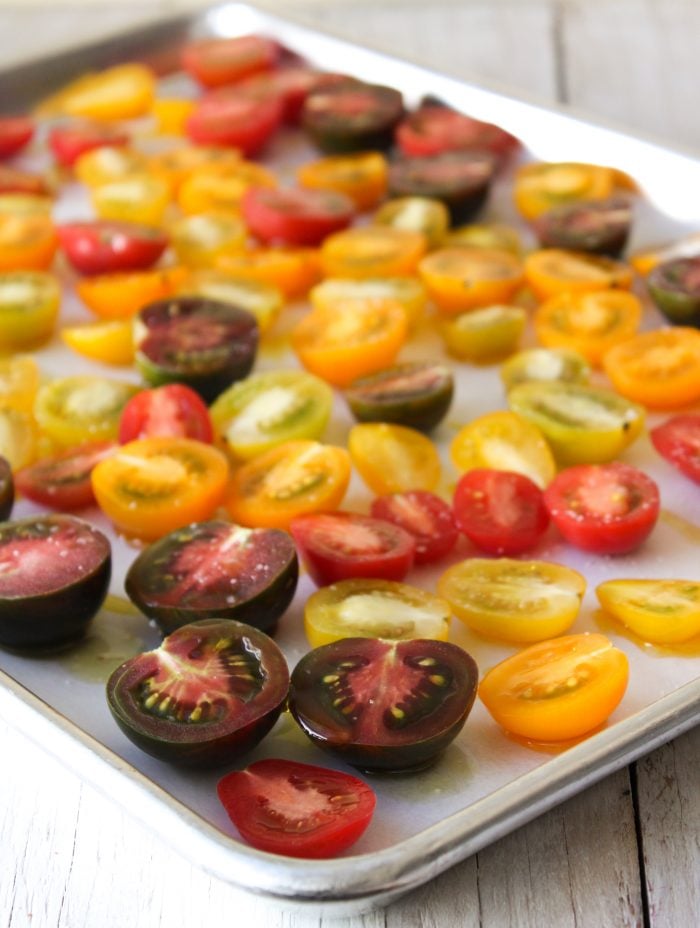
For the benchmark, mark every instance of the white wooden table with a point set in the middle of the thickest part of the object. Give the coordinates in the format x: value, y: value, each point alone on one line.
x: 625, y: 852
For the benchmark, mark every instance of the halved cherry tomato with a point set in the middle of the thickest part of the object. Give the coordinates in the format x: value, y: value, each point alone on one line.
x: 109, y: 163
x: 218, y: 61
x: 29, y: 304
x: 660, y: 369
x: 12, y: 180
x: 290, y: 480
x: 607, y: 509
x: 263, y: 301
x: 292, y: 270
x: 200, y: 239
x: 19, y: 382
x: 139, y: 199
x: 484, y: 335
x: 372, y: 251
x: 417, y: 395
x: 15, y: 133
x: 543, y: 365
x: 675, y: 288
x: 589, y: 323
x: 296, y: 809
x: 504, y: 441
x: 408, y: 291
x: 351, y: 116
x: 27, y: 243
x: 392, y: 458
x: 25, y: 204
x: 433, y: 129
x: 678, y: 441
x: 487, y: 235
x: 361, y: 176
x: 71, y: 140
x: 660, y: 611
x: 120, y: 296
x: 107, y: 247
x: 517, y: 601
x: 226, y: 117
x: 644, y: 262
x: 374, y: 609
x: 346, y: 545
x: 426, y: 215
x: 171, y: 114
x: 500, y: 511
x: 597, y: 226
x: 292, y: 83
x: 151, y: 487
x: 220, y: 186
x: 110, y: 342
x: 424, y: 516
x: 63, y: 482
x: 460, y: 277
x: 346, y: 343
x: 542, y: 186
x: 18, y: 438
x: 295, y: 217
x: 551, y: 271
x: 459, y: 179
x: 557, y: 690
x: 172, y: 411
x: 81, y: 408
x: 124, y: 91
x: 176, y: 165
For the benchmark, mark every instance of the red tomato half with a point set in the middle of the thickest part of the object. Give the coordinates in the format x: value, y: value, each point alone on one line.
x: 424, y: 516
x: 172, y: 411
x: 432, y: 130
x: 297, y: 809
x: 344, y: 545
x: 295, y: 217
x: 500, y: 511
x: 107, y: 247
x: 214, y: 62
x: 63, y: 482
x: 13, y: 180
x: 678, y: 440
x: 230, y: 118
x: 68, y: 142
x: 291, y: 84
x: 607, y: 509
x: 15, y: 132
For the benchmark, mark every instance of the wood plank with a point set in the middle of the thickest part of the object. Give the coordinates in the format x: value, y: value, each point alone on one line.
x: 668, y: 795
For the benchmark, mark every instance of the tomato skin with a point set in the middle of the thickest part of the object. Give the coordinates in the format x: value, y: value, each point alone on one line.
x: 501, y: 512
x: 68, y: 142
x: 346, y: 545
x: 218, y: 61
x: 424, y: 516
x: 295, y: 217
x: 517, y: 691
x: 606, y: 509
x: 172, y: 411
x: 249, y: 799
x: 228, y: 118
x: 63, y: 482
x: 678, y: 441
x: 108, y: 247
x: 15, y: 133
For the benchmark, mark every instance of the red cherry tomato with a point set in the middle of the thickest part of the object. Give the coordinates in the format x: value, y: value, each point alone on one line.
x: 678, y: 440
x: 15, y: 133
x: 291, y: 84
x: 432, y: 130
x: 108, y: 247
x: 607, y: 509
x: 13, y: 180
x: 295, y: 217
x: 343, y: 545
x: 500, y: 511
x: 230, y: 118
x: 172, y: 411
x: 214, y: 62
x: 63, y: 482
x: 424, y: 516
x: 297, y: 809
x: 68, y: 142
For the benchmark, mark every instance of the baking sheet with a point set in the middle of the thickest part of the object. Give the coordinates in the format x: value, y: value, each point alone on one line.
x: 485, y: 784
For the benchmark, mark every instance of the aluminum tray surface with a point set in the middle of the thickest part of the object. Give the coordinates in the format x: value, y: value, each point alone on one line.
x: 485, y: 784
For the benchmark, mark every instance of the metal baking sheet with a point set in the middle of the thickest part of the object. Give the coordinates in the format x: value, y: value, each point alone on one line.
x: 485, y: 785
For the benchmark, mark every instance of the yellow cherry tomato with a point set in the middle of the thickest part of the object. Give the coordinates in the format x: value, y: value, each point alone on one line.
x: 484, y: 335
x: 393, y: 458
x: 518, y: 601
x: 489, y: 235
x: 221, y: 186
x: 542, y: 186
x: 542, y: 365
x: 264, y: 301
x: 504, y: 441
x: 417, y: 214
x: 110, y: 342
x: 201, y: 238
x: 124, y: 91
x: 107, y: 164
x: 292, y: 270
x: 137, y: 199
x: 25, y: 204
x: 372, y: 251
x: 462, y: 277
x: 19, y: 382
x: 343, y: 344
x: 362, y: 177
x: 19, y: 440
x: 551, y: 271
x: 73, y: 410
x: 171, y: 114
x: 660, y: 611
x: 177, y: 164
x: 408, y: 291
x: 29, y: 304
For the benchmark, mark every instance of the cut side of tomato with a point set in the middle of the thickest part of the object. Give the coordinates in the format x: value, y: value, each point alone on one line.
x: 426, y: 517
x: 372, y: 251
x: 63, y: 482
x: 459, y: 179
x: 393, y: 458
x: 227, y: 117
x: 110, y: 342
x: 553, y: 270
x: 660, y: 611
x: 297, y: 809
x: 544, y: 365
x: 352, y: 116
x: 417, y: 395
x: 463, y: 277
x: 345, y: 545
x: 597, y: 226
x: 81, y: 408
x: 107, y: 247
x: 678, y: 441
x: 543, y: 186
x: 15, y: 133
x: 172, y: 411
x: 29, y: 305
x: 200, y: 239
x: 71, y: 140
x: 295, y: 217
x: 218, y: 61
x: 606, y: 509
x: 432, y: 130
x: 28, y: 242
x: 122, y: 295
x: 361, y: 176
x: 675, y: 288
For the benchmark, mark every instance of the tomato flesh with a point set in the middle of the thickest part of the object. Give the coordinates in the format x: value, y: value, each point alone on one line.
x: 172, y: 411
x: 424, y: 516
x: 678, y: 441
x: 297, y: 809
x: 63, y: 482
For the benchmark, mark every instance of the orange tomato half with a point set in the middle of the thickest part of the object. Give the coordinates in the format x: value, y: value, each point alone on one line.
x: 660, y: 369
x: 372, y: 251
x: 463, y: 277
x: 542, y: 186
x: 362, y: 177
x: 120, y: 296
x: 551, y: 271
x: 27, y: 242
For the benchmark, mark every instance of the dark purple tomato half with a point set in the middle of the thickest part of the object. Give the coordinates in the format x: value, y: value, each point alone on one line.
x: 208, y: 694
x: 417, y: 395
x: 202, y: 343
x: 215, y: 568
x: 384, y: 705
x: 600, y: 227
x: 7, y: 489
x: 675, y: 288
x: 460, y: 179
x: 54, y: 576
x: 352, y: 116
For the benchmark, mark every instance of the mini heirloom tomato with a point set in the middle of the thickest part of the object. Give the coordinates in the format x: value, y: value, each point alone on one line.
x: 417, y: 395
x: 678, y: 441
x: 107, y: 247
x: 172, y: 411
x: 63, y: 481
x: 661, y: 611
x: 393, y: 458
x: 424, y: 516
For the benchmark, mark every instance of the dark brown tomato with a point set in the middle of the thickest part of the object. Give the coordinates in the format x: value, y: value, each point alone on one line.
x: 600, y: 227
x: 417, y: 395
x: 215, y: 568
x: 54, y: 575
x: 460, y: 179
x: 384, y: 705
x: 207, y: 695
x: 352, y: 116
